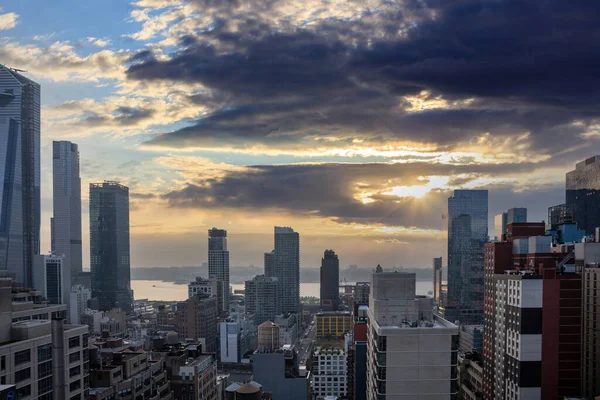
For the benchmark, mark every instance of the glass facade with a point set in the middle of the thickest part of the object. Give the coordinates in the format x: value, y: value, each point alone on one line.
x: 109, y: 245
x: 467, y: 235
x: 583, y: 194
x: 287, y: 268
x: 19, y: 174
x: 218, y: 263
x: 330, y: 281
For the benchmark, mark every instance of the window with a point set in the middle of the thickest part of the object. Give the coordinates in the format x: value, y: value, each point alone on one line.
x: 75, y: 385
x: 74, y: 342
x: 22, y: 356
x: 74, y: 357
x: 44, y: 352
x: 24, y: 391
x: 22, y: 375
x: 45, y: 369
x: 3, y: 362
x: 76, y: 370
x: 45, y: 385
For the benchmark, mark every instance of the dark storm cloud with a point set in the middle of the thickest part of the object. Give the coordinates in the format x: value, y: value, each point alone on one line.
x: 122, y: 116
x: 328, y: 190
x: 530, y: 66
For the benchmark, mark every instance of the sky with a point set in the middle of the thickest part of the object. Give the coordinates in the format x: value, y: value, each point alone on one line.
x: 350, y: 120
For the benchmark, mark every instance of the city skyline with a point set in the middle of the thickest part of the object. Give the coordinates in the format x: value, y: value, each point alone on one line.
x: 362, y: 155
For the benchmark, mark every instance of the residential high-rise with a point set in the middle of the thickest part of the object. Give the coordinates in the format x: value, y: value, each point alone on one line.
x: 284, y: 264
x: 20, y: 174
x: 410, y: 351
x: 583, y: 194
x: 330, y: 369
x: 49, y: 280
x: 218, y: 263
x: 260, y: 295
x: 467, y: 235
x: 437, y: 280
x: 588, y: 257
x: 109, y: 245
x: 66, y: 222
x: 330, y: 281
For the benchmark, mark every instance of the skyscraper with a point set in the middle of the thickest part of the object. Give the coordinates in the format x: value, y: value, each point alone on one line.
x: 66, y: 223
x: 109, y: 245
x: 467, y: 235
x: 583, y: 194
x: 284, y: 264
x: 218, y: 263
x: 260, y: 295
x: 19, y: 174
x: 330, y: 281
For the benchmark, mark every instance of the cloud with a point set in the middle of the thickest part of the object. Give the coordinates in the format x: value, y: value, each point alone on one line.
x: 8, y: 20
x: 98, y: 42
x: 455, y: 75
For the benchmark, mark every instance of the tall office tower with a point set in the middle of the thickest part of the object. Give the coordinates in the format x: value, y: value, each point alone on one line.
x: 260, y: 295
x: 330, y: 281
x: 284, y: 264
x: 218, y: 263
x: 467, y: 235
x: 19, y: 174
x: 437, y: 280
x: 411, y: 352
x: 66, y: 223
x: 48, y: 271
x: 109, y: 245
x: 583, y: 194
x: 500, y: 225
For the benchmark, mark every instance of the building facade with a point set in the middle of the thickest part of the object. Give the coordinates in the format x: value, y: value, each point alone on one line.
x: 591, y: 330
x: 278, y: 371
x: 330, y: 371
x: 109, y: 245
x: 260, y: 295
x: 49, y: 278
x: 437, y: 280
x: 410, y: 352
x: 332, y: 323
x: 78, y: 302
x: 330, y: 281
x: 20, y: 174
x: 583, y: 194
x: 196, y: 319
x: 284, y: 264
x: 218, y: 264
x: 66, y: 201
x: 467, y: 235
x: 211, y: 287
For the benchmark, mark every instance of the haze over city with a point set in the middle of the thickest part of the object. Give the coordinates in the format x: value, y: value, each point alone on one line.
x: 351, y: 121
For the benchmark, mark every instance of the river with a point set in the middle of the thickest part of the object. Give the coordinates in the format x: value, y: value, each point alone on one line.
x: 169, y: 291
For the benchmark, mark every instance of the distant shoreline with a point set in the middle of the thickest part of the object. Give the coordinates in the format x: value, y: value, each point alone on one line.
x: 242, y: 282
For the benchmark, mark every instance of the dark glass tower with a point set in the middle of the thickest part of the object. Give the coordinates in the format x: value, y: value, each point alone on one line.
x: 583, y: 194
x: 218, y: 263
x: 330, y: 278
x: 109, y: 245
x: 19, y: 173
x: 467, y: 235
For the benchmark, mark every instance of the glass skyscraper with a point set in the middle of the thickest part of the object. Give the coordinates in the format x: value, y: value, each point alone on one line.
x: 330, y: 281
x: 284, y: 264
x: 20, y: 174
x: 109, y: 245
x: 467, y: 235
x: 218, y: 263
x: 66, y: 222
x: 583, y: 194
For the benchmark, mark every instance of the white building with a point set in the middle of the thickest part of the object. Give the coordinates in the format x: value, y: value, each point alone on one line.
x: 230, y: 342
x: 288, y: 328
x: 78, y: 302
x: 48, y: 278
x: 66, y: 220
x: 410, y: 352
x: 29, y: 358
x: 330, y: 370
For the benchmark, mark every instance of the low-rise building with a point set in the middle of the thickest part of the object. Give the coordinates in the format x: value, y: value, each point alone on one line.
x: 330, y: 369
x: 278, y: 371
x: 333, y: 323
